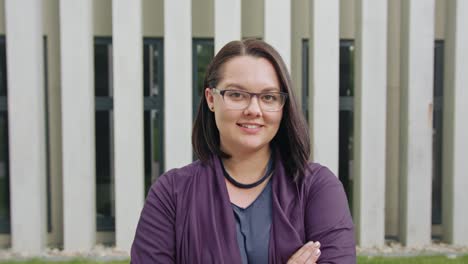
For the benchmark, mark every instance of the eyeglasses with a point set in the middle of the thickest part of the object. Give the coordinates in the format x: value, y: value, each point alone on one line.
x: 238, y: 100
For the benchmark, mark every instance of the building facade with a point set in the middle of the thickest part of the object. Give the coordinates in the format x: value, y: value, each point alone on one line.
x: 97, y: 99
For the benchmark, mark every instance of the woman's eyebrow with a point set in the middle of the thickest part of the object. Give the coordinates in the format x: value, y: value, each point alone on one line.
x: 234, y: 85
x: 271, y: 89
x: 240, y: 87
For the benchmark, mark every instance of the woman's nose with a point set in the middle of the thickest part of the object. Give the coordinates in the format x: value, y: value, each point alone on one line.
x: 253, y: 108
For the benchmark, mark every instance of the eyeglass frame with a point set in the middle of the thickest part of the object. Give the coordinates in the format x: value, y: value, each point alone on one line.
x: 223, y: 91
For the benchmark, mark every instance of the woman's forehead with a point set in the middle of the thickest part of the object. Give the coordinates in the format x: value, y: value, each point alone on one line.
x: 245, y: 71
x: 237, y: 86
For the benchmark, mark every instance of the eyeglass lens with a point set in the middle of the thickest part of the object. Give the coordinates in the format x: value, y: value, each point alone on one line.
x: 269, y: 101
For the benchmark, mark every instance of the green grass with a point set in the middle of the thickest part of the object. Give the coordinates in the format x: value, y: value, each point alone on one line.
x: 63, y: 262
x: 413, y: 260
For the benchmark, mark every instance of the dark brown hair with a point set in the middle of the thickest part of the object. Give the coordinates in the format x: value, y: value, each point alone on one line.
x: 292, y: 138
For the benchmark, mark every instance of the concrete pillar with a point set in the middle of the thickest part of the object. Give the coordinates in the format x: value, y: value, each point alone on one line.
x: 370, y: 122
x: 78, y: 132
x: 52, y: 29
x: 227, y: 22
x: 26, y: 117
x: 177, y: 83
x: 128, y: 118
x: 393, y: 121
x: 277, y: 26
x: 417, y: 66
x: 324, y: 81
x: 300, y: 21
x: 455, y: 165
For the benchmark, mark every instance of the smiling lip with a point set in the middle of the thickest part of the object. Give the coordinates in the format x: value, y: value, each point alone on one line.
x: 250, y: 128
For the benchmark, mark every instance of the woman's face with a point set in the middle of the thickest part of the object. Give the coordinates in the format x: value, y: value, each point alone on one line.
x: 249, y: 129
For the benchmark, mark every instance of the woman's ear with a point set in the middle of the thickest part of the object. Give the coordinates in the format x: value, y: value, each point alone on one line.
x: 209, y: 98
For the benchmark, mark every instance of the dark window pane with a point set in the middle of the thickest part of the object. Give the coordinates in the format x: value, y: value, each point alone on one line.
x: 146, y: 65
x: 4, y: 175
x: 3, y: 73
x: 346, y: 150
x: 153, y: 146
x: 203, y: 52
x: 152, y: 72
x: 153, y: 121
x: 305, y: 78
x: 346, y: 68
x: 103, y: 145
x: 104, y: 135
x: 4, y: 163
x: 437, y: 133
x: 104, y: 176
x: 102, y: 54
x: 46, y: 117
x: 346, y: 126
x: 156, y: 70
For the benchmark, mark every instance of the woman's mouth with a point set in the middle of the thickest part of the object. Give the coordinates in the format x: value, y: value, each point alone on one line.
x: 250, y: 128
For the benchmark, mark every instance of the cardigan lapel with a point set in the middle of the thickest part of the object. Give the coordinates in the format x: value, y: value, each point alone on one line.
x: 287, y: 233
x: 227, y: 215
x: 288, y: 217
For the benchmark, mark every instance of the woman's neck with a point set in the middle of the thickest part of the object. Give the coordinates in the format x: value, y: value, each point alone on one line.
x: 248, y: 167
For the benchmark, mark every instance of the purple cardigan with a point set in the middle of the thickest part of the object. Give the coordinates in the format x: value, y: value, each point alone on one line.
x: 188, y: 218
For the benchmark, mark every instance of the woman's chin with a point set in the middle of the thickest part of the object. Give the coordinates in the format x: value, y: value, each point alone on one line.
x: 250, y: 147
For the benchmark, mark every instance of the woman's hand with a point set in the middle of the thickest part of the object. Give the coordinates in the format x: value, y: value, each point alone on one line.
x: 307, y: 254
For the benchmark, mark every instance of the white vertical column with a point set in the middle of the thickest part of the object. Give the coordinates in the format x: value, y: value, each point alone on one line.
x: 324, y: 81
x: 78, y: 132
x: 128, y: 118
x: 26, y: 117
x: 417, y: 66
x: 227, y: 22
x: 177, y: 83
x: 277, y: 27
x: 455, y: 181
x: 370, y: 122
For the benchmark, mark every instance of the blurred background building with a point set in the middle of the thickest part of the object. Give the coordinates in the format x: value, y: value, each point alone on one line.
x: 97, y: 99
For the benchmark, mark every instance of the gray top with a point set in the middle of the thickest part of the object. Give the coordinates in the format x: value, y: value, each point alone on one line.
x: 253, y: 226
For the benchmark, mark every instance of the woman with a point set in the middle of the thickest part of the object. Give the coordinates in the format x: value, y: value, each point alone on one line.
x: 252, y: 197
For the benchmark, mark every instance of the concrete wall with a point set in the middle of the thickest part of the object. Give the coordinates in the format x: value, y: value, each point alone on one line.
x: 203, y: 18
x: 153, y: 18
x: 252, y: 18
x: 203, y: 27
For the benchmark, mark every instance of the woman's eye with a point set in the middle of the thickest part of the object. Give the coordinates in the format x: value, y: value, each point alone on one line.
x: 269, y: 97
x: 235, y: 95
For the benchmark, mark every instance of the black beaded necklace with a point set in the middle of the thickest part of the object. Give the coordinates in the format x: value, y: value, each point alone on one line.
x: 250, y: 185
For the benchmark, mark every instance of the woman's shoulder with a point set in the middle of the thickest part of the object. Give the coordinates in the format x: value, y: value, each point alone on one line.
x: 317, y: 176
x: 184, y: 172
x: 178, y: 177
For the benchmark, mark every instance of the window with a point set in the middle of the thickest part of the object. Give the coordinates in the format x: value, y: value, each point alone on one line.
x: 153, y: 123
x: 47, y: 139
x: 105, y: 211
x: 437, y: 133
x: 346, y: 126
x: 4, y: 144
x: 305, y: 78
x: 4, y: 161
x: 346, y: 108
x: 202, y: 52
x: 153, y: 109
